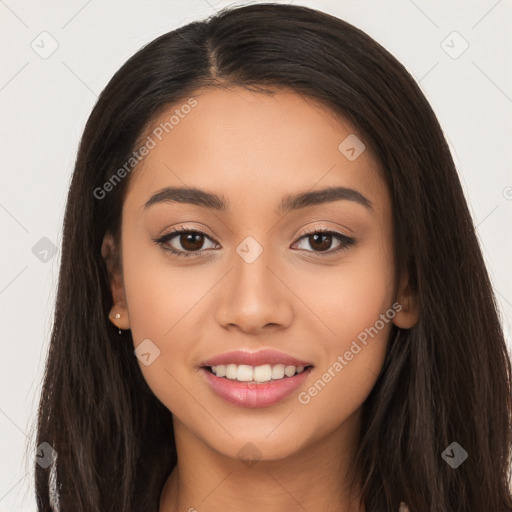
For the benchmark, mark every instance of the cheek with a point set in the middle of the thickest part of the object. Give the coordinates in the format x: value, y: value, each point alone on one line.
x: 350, y: 297
x: 161, y: 295
x: 357, y: 308
x: 349, y: 368
x: 164, y: 304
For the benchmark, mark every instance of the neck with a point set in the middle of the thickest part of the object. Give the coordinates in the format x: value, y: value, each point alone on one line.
x: 317, y: 477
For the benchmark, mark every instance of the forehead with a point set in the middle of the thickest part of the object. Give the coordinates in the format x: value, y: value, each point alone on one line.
x: 253, y: 147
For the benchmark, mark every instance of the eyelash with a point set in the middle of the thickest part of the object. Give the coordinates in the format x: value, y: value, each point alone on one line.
x: 346, y: 241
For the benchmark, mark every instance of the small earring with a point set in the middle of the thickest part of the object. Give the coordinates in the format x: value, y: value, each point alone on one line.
x: 117, y: 316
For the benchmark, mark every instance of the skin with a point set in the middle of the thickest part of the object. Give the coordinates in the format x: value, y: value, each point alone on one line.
x: 253, y: 149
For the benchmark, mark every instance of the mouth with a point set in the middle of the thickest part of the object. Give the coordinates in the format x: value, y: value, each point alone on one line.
x: 254, y: 387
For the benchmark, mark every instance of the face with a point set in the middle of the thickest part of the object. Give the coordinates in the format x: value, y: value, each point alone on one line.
x: 258, y: 274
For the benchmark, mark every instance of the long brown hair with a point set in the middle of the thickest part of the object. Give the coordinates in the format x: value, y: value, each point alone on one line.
x: 447, y: 379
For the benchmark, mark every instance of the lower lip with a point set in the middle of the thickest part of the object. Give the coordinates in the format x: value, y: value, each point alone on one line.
x: 245, y: 394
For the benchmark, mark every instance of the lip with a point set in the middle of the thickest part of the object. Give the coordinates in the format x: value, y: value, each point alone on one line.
x: 245, y: 394
x: 265, y: 356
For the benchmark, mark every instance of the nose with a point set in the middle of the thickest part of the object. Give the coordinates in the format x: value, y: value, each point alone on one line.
x: 254, y: 297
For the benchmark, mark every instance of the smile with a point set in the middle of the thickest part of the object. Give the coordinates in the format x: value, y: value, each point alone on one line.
x: 254, y: 387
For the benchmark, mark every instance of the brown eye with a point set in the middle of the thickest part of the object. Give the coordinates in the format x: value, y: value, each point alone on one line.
x: 191, y: 241
x: 320, y: 241
x: 184, y: 242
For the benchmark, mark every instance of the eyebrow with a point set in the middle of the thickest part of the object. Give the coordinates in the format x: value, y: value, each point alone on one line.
x: 198, y: 197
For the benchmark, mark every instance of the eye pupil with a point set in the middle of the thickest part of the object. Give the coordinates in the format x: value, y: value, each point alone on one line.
x: 323, y: 245
x: 191, y: 238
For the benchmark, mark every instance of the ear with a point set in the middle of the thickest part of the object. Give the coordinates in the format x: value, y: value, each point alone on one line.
x: 407, y: 316
x: 111, y: 255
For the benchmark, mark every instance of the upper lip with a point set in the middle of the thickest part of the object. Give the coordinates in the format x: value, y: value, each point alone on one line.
x: 261, y: 357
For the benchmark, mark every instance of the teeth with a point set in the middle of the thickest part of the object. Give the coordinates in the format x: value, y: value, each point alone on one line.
x: 231, y: 372
x: 278, y: 371
x: 244, y: 373
x: 289, y: 371
x: 263, y: 373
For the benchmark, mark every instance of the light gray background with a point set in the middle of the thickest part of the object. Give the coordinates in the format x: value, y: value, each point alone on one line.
x: 45, y: 102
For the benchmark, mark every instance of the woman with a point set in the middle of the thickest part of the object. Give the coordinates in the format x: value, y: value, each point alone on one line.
x: 271, y: 293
